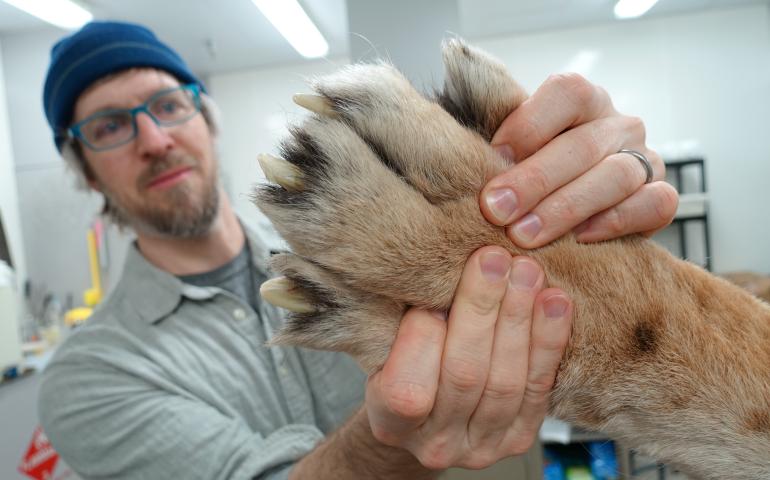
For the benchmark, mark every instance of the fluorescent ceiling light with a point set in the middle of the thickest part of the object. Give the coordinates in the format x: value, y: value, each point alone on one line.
x: 62, y: 13
x: 633, y: 8
x: 296, y: 27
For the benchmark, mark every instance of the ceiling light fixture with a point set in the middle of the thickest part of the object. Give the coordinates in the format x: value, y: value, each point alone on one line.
x: 62, y: 13
x: 633, y: 8
x: 288, y: 17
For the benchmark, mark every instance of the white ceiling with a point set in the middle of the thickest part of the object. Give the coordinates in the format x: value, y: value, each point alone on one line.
x: 226, y: 35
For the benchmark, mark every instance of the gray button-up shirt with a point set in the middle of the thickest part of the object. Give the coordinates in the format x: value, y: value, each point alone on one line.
x: 169, y: 380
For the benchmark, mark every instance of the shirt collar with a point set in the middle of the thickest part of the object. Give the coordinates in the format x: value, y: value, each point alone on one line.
x: 155, y: 293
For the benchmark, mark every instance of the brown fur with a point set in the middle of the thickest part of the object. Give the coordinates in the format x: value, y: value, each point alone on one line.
x: 663, y: 355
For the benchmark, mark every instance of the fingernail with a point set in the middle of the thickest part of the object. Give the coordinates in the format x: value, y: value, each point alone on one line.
x: 555, y: 307
x: 495, y: 266
x: 502, y: 204
x: 524, y: 274
x: 505, y: 151
x: 528, y: 227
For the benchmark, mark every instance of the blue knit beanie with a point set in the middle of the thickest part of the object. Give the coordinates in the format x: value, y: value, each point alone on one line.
x: 94, y: 51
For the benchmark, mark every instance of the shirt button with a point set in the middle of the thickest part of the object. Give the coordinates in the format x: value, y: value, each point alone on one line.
x: 239, y: 313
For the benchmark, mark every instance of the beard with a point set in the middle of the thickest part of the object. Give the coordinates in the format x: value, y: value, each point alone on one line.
x: 183, y: 211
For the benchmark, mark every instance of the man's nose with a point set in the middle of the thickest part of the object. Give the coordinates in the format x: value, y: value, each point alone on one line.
x: 151, y: 139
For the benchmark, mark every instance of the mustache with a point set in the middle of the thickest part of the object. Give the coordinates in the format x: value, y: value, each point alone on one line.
x: 159, y: 165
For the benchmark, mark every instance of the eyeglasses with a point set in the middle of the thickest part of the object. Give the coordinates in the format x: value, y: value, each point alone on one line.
x: 111, y: 128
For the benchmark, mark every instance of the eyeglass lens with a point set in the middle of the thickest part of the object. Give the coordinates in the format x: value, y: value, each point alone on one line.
x: 115, y: 127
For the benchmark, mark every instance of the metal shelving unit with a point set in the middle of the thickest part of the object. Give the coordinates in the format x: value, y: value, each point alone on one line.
x: 693, y: 204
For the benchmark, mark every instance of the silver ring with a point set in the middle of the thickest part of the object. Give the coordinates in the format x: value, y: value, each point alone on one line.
x: 643, y: 160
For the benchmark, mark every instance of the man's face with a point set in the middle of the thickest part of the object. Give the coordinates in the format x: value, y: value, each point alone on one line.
x: 165, y: 180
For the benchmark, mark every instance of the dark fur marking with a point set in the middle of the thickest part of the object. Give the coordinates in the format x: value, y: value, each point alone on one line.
x: 318, y: 296
x: 379, y: 150
x: 465, y: 114
x: 302, y: 150
x: 758, y: 421
x: 275, y: 194
x: 344, y: 105
x: 466, y: 51
x: 645, y: 339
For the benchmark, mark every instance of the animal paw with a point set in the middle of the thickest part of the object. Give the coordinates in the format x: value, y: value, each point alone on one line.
x: 377, y: 196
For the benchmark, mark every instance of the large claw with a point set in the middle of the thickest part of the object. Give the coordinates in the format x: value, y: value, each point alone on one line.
x: 282, y: 292
x: 315, y: 103
x: 278, y: 170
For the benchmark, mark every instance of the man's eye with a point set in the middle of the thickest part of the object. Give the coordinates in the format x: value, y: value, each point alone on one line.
x: 167, y: 107
x: 107, y: 127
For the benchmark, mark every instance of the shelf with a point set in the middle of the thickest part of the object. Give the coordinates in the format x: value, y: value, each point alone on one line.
x: 557, y: 431
x: 692, y: 205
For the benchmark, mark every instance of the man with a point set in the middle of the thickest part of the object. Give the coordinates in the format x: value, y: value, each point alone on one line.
x: 170, y: 377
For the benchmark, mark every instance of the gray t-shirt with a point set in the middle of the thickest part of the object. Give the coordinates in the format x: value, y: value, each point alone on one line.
x: 238, y: 276
x: 173, y: 380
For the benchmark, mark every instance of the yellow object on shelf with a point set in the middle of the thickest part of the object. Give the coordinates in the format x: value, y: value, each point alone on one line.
x: 93, y: 295
x: 77, y: 315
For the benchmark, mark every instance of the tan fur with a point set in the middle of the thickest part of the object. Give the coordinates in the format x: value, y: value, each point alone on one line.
x: 663, y: 355
x: 755, y: 283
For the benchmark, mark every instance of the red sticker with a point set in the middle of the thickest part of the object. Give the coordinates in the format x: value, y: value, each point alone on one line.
x: 40, y: 460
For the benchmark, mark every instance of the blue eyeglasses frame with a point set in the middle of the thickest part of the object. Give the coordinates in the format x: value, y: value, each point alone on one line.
x: 75, y: 132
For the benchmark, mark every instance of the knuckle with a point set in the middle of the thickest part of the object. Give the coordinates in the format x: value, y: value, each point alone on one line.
x: 658, y: 165
x: 535, y: 181
x: 538, y: 388
x: 577, y: 88
x: 635, y: 125
x: 408, y: 402
x: 531, y: 131
x: 486, y: 301
x: 589, y: 145
x: 566, y: 209
x: 523, y: 443
x: 503, y: 392
x: 604, y: 95
x: 462, y: 374
x: 614, y: 222
x: 629, y: 173
x: 552, y: 346
x: 480, y: 459
x: 437, y: 453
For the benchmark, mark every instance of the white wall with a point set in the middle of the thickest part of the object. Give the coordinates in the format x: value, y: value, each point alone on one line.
x: 9, y: 206
x: 703, y: 76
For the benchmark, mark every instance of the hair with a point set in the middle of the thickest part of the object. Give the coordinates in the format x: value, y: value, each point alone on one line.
x: 72, y: 153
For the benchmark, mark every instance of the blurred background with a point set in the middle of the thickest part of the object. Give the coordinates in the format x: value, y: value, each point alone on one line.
x: 696, y: 71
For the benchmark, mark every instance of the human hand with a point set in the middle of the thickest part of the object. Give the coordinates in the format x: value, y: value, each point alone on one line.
x: 568, y: 175
x: 472, y: 389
